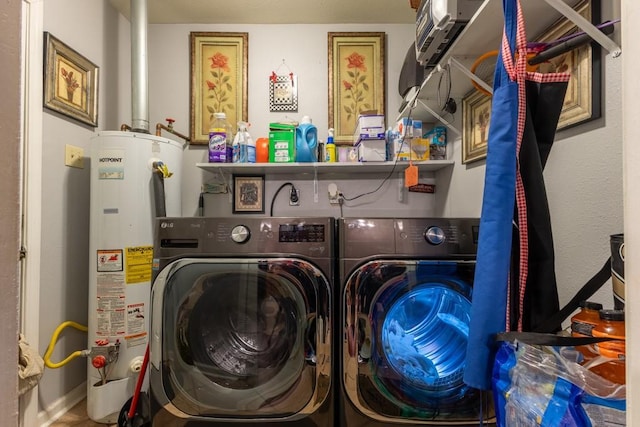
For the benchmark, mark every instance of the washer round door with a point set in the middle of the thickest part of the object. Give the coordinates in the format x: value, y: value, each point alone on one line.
x: 406, y: 329
x: 241, y: 338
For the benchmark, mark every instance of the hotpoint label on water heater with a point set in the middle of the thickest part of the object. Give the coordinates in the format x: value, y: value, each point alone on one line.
x: 111, y: 164
x: 139, y: 260
x: 109, y: 260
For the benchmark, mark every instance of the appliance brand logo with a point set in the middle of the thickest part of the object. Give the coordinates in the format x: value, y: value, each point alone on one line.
x: 315, y: 249
x: 110, y: 159
x: 165, y: 224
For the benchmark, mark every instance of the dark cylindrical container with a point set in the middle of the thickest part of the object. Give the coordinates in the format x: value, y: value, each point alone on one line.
x: 617, y: 270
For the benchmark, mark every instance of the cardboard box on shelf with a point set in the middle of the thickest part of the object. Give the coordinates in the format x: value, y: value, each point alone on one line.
x: 437, y: 143
x: 282, y: 143
x: 398, y: 149
x: 369, y: 126
x: 420, y: 149
x: 372, y: 150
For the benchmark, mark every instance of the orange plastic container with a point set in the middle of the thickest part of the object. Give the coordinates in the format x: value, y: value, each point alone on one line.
x: 582, y: 325
x: 586, y: 319
x: 262, y: 150
x: 611, y: 325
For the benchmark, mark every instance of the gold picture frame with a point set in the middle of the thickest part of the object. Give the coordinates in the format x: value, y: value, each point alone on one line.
x: 356, y: 80
x: 476, y: 116
x: 248, y: 193
x: 219, y: 63
x: 70, y: 82
x: 582, y: 100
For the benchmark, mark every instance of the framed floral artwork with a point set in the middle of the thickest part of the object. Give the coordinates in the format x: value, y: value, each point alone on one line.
x: 70, y: 82
x: 582, y: 102
x: 248, y: 194
x: 476, y: 115
x: 356, y: 80
x: 219, y: 63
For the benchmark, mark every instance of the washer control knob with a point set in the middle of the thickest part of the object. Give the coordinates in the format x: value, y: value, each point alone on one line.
x: 434, y: 235
x: 240, y: 234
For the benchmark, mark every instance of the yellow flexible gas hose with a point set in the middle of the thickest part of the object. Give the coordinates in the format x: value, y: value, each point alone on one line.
x: 52, y: 344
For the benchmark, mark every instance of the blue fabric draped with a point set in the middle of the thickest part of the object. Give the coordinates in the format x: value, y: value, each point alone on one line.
x: 488, y: 310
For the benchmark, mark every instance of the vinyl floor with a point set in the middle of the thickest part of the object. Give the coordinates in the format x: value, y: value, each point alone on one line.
x: 77, y: 416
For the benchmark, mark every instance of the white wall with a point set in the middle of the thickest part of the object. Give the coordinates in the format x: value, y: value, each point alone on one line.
x: 304, y: 50
x: 92, y: 29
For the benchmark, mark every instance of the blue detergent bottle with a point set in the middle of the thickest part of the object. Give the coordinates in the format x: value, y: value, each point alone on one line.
x: 306, y: 141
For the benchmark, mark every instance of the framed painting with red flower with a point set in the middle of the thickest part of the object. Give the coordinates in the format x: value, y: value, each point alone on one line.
x: 356, y: 80
x: 219, y: 63
x: 70, y: 82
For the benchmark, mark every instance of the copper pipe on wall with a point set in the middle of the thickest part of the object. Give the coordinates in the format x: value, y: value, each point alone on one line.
x: 169, y: 128
x: 125, y: 127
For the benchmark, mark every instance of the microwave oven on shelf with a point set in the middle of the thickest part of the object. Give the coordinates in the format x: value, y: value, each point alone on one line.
x: 438, y: 24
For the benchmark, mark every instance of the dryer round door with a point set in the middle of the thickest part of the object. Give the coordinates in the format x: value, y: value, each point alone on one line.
x: 406, y: 328
x: 241, y: 338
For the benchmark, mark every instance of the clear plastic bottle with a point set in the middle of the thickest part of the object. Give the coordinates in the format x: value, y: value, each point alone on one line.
x: 220, y: 139
x: 241, y: 143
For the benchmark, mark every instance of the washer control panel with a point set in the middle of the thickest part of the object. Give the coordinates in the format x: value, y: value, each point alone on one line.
x: 240, y: 234
x: 434, y: 235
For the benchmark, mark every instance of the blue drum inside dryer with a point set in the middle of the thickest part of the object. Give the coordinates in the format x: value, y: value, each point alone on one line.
x: 413, y: 327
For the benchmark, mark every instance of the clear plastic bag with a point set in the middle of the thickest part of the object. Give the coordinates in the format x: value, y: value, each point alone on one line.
x: 537, y: 386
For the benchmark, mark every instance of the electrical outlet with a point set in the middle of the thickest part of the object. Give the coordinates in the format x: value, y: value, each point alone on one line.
x: 294, y: 197
x: 74, y: 156
x: 334, y: 194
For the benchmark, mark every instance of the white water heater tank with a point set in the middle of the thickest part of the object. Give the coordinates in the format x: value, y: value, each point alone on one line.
x: 123, y: 207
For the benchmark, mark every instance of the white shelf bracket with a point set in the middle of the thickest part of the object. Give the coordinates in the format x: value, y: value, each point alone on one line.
x: 315, y: 185
x: 459, y: 65
x: 586, y: 26
x: 439, y: 117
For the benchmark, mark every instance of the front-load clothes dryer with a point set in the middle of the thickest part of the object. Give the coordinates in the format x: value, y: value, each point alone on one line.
x: 241, y: 322
x: 405, y: 300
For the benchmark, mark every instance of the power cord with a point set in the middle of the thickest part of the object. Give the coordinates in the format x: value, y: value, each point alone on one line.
x: 449, y: 105
x: 395, y: 163
x: 294, y: 190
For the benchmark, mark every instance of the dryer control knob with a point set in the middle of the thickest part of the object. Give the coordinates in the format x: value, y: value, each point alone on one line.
x: 240, y: 234
x: 434, y: 235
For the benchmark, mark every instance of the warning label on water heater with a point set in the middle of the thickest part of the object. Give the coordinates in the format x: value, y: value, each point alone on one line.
x: 139, y: 259
x: 135, y: 319
x: 110, y: 308
x: 109, y: 260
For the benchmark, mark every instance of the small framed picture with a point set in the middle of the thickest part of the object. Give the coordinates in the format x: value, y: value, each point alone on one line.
x: 70, y: 82
x: 476, y: 113
x: 248, y: 194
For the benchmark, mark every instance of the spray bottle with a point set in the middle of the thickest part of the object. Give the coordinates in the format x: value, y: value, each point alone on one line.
x: 330, y: 148
x: 244, y: 149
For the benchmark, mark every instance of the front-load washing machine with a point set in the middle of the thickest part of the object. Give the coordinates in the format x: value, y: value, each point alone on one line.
x: 241, y: 322
x: 405, y: 299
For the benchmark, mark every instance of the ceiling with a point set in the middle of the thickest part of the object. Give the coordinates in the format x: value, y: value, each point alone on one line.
x: 274, y: 11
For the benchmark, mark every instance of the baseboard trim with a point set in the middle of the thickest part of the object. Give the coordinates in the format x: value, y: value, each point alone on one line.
x: 62, y: 405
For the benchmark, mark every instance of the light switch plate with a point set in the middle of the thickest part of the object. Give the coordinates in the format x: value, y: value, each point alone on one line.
x: 74, y: 156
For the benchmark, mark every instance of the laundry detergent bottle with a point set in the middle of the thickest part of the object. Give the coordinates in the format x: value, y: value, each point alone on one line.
x: 330, y: 148
x: 220, y: 139
x: 306, y: 141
